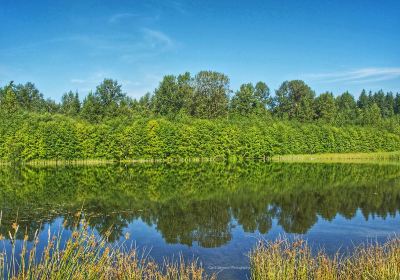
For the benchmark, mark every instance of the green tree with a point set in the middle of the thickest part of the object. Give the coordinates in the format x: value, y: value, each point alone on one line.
x: 347, y: 108
x: 211, y: 95
x: 294, y: 99
x: 110, y: 96
x: 29, y: 97
x: 166, y: 96
x: 50, y: 106
x: 388, y: 105
x: 173, y: 95
x: 125, y: 108
x: 250, y: 100
x: 372, y: 115
x: 325, y: 107
x: 363, y: 100
x: 144, y: 105
x: 92, y: 108
x: 281, y: 103
x: 379, y: 99
x: 185, y: 91
x: 262, y: 94
x: 244, y: 102
x: 70, y: 104
x: 397, y: 103
x: 8, y: 100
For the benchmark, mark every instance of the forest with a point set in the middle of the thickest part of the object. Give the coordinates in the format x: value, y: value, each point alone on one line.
x: 196, y: 116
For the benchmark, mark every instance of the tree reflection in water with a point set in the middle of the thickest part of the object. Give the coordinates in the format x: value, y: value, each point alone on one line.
x: 197, y: 202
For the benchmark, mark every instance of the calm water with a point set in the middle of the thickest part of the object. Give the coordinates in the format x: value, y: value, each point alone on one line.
x: 215, y: 212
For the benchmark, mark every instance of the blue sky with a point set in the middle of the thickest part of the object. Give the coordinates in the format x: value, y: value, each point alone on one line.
x: 73, y: 45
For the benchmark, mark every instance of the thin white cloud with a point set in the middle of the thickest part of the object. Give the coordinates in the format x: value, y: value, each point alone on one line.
x: 77, y: 81
x: 173, y: 5
x: 363, y: 75
x: 158, y: 39
x: 178, y: 6
x: 143, y: 44
x: 133, y: 17
x: 90, y: 82
x: 148, y: 81
x: 88, y: 40
x: 119, y: 17
x: 134, y: 88
x: 143, y: 83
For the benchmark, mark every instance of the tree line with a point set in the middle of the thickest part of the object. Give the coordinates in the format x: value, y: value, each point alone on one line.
x: 194, y: 116
x: 207, y: 95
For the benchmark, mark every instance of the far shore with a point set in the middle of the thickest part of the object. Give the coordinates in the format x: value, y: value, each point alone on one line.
x: 374, y: 157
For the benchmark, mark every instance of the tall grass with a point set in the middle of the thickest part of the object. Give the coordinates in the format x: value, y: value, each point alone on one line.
x: 86, y: 256
x: 283, y: 259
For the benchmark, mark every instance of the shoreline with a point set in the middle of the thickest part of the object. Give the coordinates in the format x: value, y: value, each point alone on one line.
x: 88, y: 162
x: 373, y: 157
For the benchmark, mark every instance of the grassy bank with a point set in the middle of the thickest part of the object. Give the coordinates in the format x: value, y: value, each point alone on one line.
x: 86, y: 256
x: 284, y: 260
x: 378, y: 157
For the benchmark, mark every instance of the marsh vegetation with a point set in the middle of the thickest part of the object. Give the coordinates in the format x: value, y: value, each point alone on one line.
x: 87, y: 256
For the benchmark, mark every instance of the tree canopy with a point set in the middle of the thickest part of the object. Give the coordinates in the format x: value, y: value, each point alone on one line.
x: 207, y: 95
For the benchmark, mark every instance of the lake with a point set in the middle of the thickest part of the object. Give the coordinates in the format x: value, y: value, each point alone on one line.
x: 214, y: 212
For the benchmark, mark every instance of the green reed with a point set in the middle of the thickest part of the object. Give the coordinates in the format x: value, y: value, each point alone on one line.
x: 87, y: 256
x: 283, y: 259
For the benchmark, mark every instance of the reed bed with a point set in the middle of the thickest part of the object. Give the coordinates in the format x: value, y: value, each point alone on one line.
x: 86, y: 256
x: 283, y: 259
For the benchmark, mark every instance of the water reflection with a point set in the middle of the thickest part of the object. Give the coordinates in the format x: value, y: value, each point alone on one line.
x: 197, y: 203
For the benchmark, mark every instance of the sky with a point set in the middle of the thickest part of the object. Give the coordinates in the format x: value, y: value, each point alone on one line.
x: 74, y: 44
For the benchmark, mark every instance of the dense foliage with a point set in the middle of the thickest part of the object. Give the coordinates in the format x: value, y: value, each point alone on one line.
x: 194, y: 117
